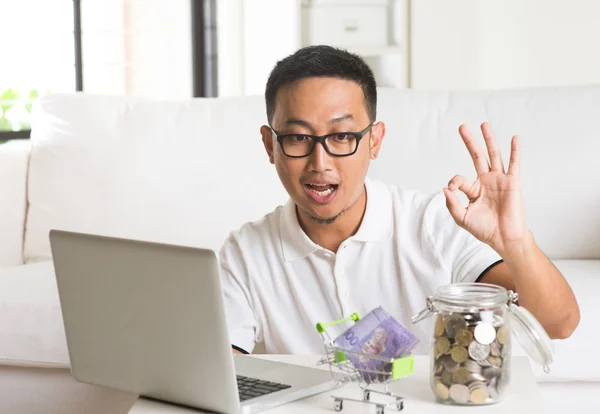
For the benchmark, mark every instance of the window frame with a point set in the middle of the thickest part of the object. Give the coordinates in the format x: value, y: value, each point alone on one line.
x: 26, y: 133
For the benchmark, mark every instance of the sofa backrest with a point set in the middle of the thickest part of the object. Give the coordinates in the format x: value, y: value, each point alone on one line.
x: 14, y: 158
x: 188, y: 172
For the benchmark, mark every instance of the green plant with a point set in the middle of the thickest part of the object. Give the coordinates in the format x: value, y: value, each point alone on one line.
x: 11, y: 99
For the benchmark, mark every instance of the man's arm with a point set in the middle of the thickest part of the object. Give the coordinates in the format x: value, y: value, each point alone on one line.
x: 541, y: 287
x: 496, y: 216
x: 241, y: 322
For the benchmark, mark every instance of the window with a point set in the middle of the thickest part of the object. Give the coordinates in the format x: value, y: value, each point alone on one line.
x: 39, y: 54
x: 148, y: 48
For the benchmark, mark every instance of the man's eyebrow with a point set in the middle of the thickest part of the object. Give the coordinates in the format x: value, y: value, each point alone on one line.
x: 338, y: 119
x: 297, y: 121
x: 303, y: 123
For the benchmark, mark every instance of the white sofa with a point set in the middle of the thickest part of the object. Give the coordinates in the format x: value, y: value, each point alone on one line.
x: 188, y: 172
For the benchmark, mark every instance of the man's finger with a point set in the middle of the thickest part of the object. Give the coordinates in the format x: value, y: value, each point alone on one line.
x: 457, y: 211
x: 458, y: 182
x: 479, y: 159
x: 514, y: 166
x: 492, y: 147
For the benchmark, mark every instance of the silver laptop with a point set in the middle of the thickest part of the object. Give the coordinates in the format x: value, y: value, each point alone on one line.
x: 149, y: 318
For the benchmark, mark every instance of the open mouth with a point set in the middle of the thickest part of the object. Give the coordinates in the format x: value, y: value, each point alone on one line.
x: 321, y: 193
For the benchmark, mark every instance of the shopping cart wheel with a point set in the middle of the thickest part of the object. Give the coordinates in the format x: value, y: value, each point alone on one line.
x: 338, y: 405
x: 380, y: 409
x: 366, y: 395
x: 400, y: 405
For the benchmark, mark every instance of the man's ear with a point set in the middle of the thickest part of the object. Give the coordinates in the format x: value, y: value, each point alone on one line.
x: 267, y: 139
x: 376, y: 139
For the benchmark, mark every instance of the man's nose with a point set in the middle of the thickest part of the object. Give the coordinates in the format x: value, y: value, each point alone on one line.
x: 320, y: 160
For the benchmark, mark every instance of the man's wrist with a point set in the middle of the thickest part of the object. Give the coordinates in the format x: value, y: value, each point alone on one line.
x: 516, y: 251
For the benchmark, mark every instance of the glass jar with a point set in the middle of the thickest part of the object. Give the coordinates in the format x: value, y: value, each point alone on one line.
x: 471, y: 341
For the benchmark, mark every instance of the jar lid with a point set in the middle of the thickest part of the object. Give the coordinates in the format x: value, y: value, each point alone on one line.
x: 531, y: 335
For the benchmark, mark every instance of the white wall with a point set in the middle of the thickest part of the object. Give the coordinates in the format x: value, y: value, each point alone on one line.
x: 37, y: 48
x: 137, y: 47
x: 489, y: 44
x: 254, y: 34
x: 230, y: 47
x: 271, y: 32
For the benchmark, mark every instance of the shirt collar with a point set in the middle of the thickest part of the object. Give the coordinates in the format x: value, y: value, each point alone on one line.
x: 377, y: 223
x: 294, y: 242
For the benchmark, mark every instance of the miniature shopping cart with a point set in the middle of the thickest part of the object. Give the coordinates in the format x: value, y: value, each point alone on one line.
x: 352, y: 366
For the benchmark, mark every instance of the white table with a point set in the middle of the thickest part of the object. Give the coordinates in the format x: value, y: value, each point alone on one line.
x: 523, y: 395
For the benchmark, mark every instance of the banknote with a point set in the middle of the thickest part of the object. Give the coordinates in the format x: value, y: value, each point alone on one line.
x: 378, y: 333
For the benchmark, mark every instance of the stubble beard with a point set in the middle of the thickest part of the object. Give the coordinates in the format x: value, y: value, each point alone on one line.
x: 331, y: 220
x: 326, y: 220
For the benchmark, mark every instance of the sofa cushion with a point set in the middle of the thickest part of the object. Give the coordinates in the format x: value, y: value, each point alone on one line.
x: 30, y: 390
x: 576, y: 357
x: 185, y: 172
x: 32, y: 330
x: 31, y: 326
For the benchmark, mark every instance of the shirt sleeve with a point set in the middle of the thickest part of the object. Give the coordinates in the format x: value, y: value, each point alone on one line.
x: 242, y: 325
x: 464, y: 257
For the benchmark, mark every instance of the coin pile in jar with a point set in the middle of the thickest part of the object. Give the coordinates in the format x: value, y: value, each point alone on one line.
x: 471, y: 357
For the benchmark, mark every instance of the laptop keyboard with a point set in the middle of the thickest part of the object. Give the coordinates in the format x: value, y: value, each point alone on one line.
x: 253, y: 387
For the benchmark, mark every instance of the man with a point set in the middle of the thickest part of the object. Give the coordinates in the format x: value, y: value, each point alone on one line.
x: 346, y: 244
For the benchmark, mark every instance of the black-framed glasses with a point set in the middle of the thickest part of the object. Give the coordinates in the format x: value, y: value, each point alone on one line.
x: 339, y: 144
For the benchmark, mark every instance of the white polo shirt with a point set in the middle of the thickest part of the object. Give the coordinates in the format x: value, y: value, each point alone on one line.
x: 278, y: 284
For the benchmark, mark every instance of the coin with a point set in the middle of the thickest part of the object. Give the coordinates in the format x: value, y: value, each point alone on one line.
x: 476, y: 384
x: 505, y: 350
x: 493, y: 389
x: 438, y: 368
x: 454, y: 323
x: 450, y: 365
x: 464, y: 337
x: 459, y: 393
x: 495, y: 361
x: 459, y: 354
x: 469, y: 317
x: 479, y: 395
x: 440, y: 326
x: 485, y: 363
x: 443, y: 345
x: 477, y: 377
x: 472, y: 366
x: 441, y: 391
x: 484, y: 333
x: 478, y: 351
x: 503, y: 335
x: 461, y: 376
x: 491, y: 372
x: 447, y: 378
x: 495, y: 349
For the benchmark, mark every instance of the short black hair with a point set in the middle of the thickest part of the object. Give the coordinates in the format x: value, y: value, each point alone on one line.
x: 324, y: 62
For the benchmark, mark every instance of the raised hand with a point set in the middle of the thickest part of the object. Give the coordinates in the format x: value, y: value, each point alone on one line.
x: 495, y: 214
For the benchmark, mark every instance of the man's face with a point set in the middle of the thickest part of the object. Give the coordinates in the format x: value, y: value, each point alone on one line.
x: 322, y: 185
